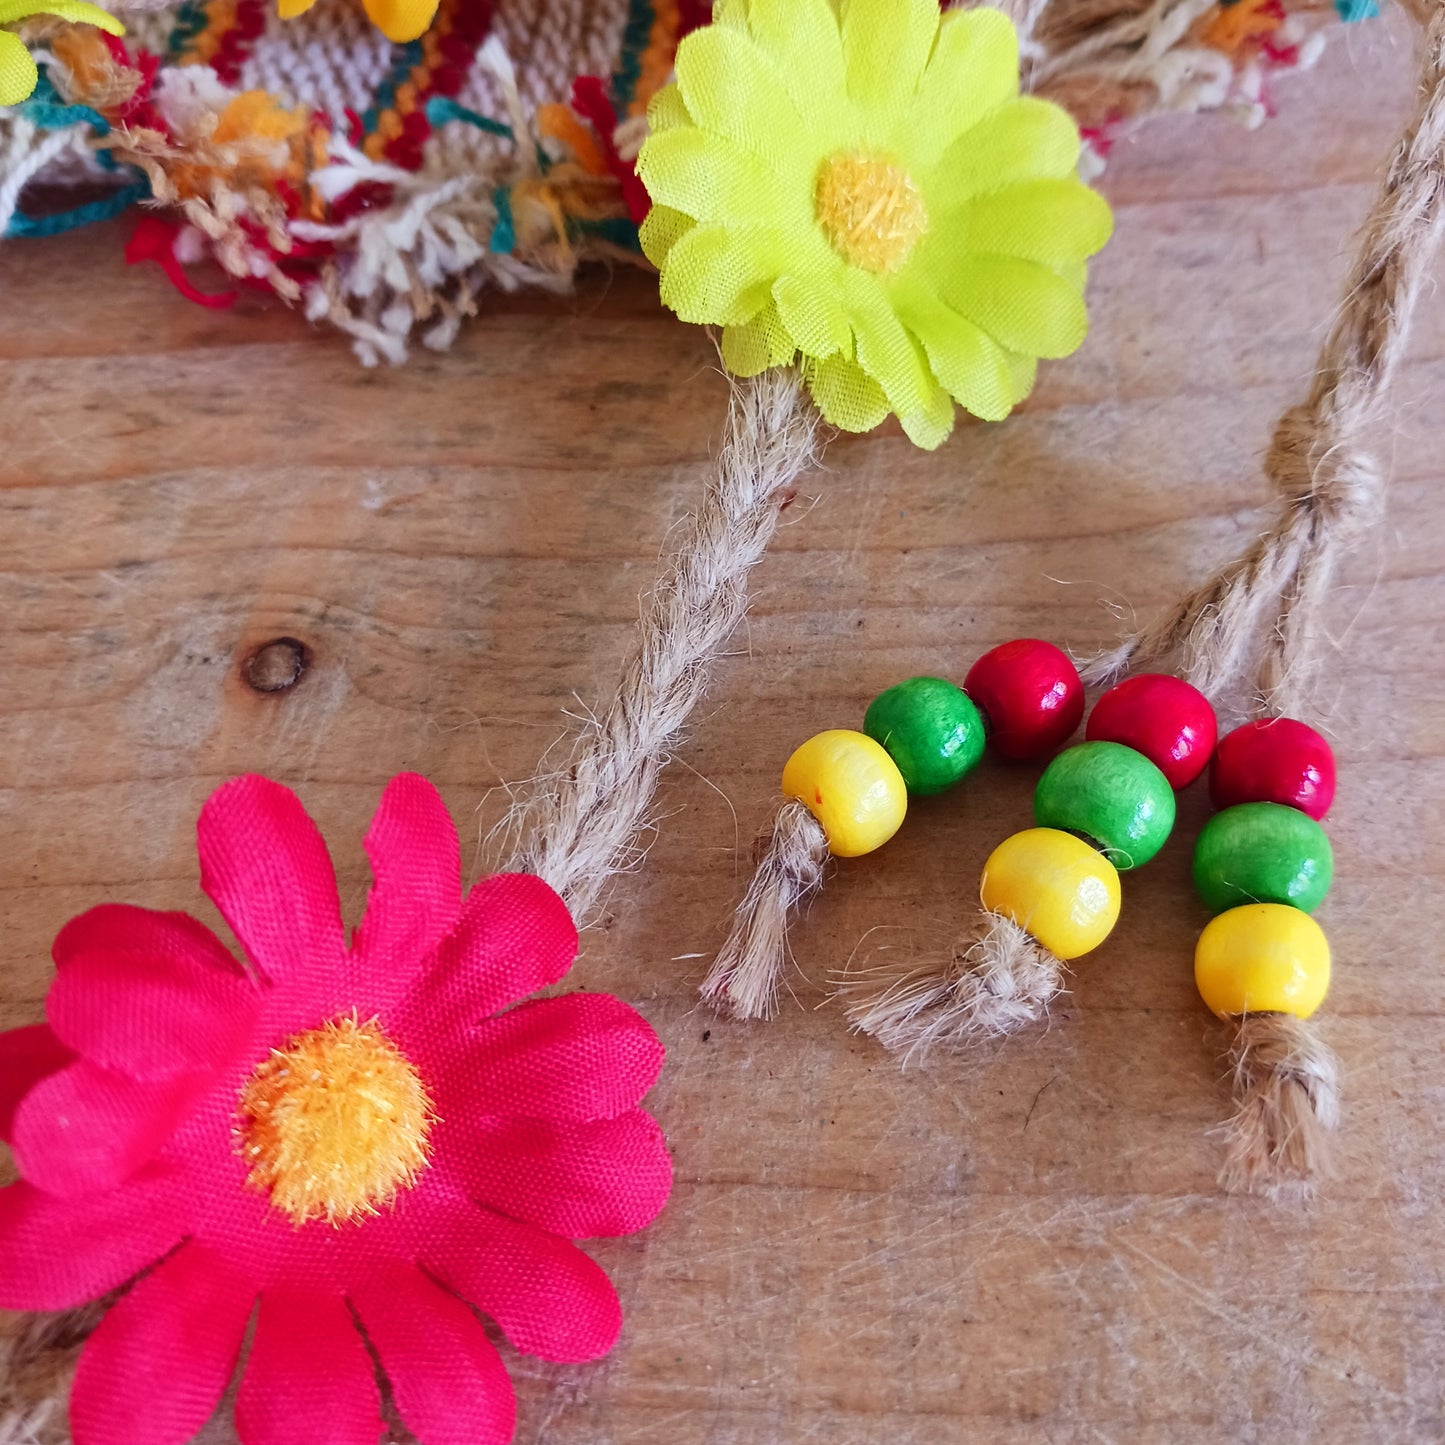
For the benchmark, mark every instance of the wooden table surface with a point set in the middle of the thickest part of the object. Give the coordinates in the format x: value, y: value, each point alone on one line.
x: 1023, y: 1244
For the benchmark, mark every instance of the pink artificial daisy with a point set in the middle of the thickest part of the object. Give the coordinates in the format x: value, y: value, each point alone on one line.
x: 354, y: 1137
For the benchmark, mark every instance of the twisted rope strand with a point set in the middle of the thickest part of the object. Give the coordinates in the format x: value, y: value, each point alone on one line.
x: 1255, y: 622
x: 580, y: 826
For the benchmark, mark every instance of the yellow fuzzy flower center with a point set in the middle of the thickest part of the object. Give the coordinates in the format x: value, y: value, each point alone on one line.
x: 869, y: 209
x: 335, y: 1124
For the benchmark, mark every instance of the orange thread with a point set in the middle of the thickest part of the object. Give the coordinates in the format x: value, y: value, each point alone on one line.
x: 1242, y: 23
x: 559, y: 123
x: 656, y: 60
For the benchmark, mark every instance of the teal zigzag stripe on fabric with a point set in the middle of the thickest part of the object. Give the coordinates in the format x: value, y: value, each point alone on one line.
x: 635, y: 35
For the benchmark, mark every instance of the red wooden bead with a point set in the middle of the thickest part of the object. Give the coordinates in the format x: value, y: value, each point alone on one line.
x: 1030, y: 696
x: 1274, y: 760
x: 1165, y: 718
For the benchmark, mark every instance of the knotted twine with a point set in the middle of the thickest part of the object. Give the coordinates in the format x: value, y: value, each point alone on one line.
x: 1255, y: 625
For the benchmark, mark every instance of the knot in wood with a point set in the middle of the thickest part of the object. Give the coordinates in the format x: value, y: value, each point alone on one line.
x: 276, y: 665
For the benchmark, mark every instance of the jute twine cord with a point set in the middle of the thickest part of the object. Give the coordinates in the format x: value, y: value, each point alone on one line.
x: 578, y: 827
x: 1286, y: 1084
x: 1256, y: 623
x: 996, y: 980
x: 744, y: 978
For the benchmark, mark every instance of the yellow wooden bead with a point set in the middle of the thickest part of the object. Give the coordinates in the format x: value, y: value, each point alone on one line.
x: 1263, y: 958
x: 1056, y: 887
x: 851, y: 786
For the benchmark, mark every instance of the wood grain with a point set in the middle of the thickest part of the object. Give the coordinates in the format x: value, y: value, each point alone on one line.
x: 1022, y: 1245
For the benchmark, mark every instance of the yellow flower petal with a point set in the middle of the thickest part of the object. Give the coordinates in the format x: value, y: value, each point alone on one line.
x: 719, y: 276
x: 845, y: 394
x: 882, y: 345
x: 706, y: 177
x: 885, y: 47
x: 665, y: 110
x: 401, y: 20
x: 930, y: 427
x: 971, y: 365
x: 812, y: 316
x: 757, y: 344
x: 974, y: 70
x: 660, y: 230
x: 1055, y: 222
x: 1025, y: 139
x: 1024, y: 370
x: 18, y: 75
x: 730, y: 88
x: 868, y: 197
x: 802, y: 40
x: 1023, y: 306
x: 290, y: 9
x: 77, y: 12
x: 1076, y: 273
x: 732, y: 13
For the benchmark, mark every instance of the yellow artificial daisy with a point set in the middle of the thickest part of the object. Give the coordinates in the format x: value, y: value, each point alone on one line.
x: 18, y: 74
x: 859, y: 186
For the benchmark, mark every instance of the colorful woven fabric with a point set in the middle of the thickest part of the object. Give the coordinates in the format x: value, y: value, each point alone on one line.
x: 383, y: 187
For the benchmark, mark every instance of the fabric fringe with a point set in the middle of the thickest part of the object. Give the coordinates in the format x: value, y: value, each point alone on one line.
x: 393, y: 235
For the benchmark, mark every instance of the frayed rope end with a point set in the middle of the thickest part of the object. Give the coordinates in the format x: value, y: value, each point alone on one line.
x: 1280, y: 1141
x: 996, y: 980
x: 744, y: 978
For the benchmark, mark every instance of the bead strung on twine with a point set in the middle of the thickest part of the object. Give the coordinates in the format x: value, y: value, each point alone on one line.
x: 1262, y: 864
x: 1256, y: 622
x: 1049, y: 894
x: 579, y: 826
x: 848, y: 794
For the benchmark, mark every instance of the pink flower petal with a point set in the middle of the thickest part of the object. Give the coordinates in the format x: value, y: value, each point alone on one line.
x: 148, y: 994
x: 584, y: 1056
x: 514, y: 936
x: 549, y: 1298
x: 265, y: 866
x: 449, y: 1384
x: 26, y: 1056
x: 59, y: 1253
x: 578, y: 1180
x: 155, y: 1370
x: 309, y: 1378
x: 84, y: 1128
x: 417, y: 866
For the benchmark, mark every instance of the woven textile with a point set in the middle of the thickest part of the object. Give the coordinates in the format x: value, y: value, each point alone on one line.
x: 381, y: 188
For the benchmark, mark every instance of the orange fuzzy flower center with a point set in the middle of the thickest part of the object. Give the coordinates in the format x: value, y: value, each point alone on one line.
x: 870, y: 210
x: 335, y: 1124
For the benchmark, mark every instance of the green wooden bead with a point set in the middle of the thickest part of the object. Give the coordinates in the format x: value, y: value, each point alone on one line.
x: 930, y: 729
x: 1263, y: 853
x: 1111, y: 795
